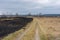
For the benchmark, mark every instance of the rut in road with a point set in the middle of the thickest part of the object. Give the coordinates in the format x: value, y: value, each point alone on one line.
x: 37, y: 34
x: 21, y: 36
x: 34, y: 28
x: 34, y: 31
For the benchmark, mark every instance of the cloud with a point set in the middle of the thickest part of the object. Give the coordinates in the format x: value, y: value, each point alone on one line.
x: 41, y: 1
x: 28, y: 3
x: 25, y: 6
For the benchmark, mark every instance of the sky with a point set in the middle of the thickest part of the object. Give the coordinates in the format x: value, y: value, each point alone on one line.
x: 30, y: 6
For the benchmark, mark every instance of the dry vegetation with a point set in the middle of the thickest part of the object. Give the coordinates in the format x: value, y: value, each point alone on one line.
x: 15, y: 35
x: 51, y: 26
x: 49, y: 29
x: 31, y: 32
x: 10, y: 25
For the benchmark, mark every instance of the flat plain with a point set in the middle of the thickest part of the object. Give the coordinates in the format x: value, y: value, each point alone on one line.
x: 41, y: 28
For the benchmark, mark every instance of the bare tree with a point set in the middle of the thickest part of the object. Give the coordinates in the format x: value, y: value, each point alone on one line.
x: 29, y: 14
x: 17, y: 15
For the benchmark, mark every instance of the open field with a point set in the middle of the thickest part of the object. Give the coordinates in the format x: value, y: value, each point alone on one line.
x: 41, y: 28
x: 51, y: 25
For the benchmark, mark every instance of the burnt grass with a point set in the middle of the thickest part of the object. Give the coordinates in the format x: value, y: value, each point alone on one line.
x: 10, y: 26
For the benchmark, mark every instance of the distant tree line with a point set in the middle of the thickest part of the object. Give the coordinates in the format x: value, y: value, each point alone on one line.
x: 17, y: 15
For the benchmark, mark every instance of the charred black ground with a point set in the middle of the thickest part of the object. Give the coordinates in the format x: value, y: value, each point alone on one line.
x: 8, y: 26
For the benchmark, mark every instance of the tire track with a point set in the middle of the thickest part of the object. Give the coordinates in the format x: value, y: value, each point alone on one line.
x: 25, y: 32
x: 37, y: 34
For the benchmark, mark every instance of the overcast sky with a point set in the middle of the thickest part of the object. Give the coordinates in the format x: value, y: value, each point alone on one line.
x: 33, y: 6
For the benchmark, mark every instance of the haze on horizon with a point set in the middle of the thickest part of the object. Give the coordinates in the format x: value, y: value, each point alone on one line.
x: 33, y: 6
